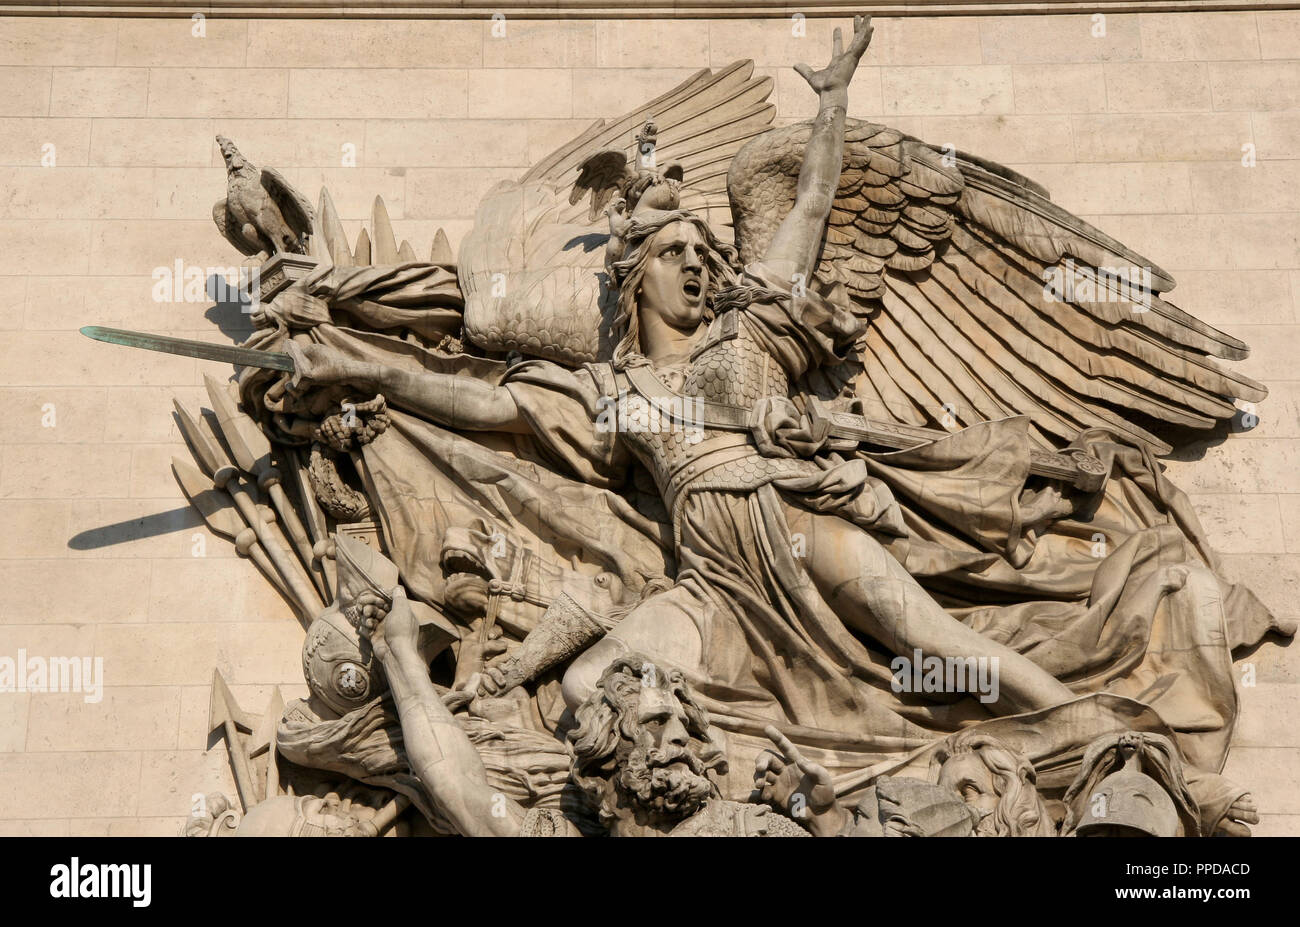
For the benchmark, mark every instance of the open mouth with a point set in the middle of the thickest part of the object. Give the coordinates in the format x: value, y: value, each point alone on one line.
x: 692, y: 289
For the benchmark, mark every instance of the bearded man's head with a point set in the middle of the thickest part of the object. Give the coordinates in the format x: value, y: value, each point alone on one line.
x: 641, y: 747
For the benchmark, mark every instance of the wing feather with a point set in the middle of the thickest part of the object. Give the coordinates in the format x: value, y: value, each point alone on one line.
x: 956, y: 261
x: 1044, y: 333
x: 1098, y: 343
x: 551, y: 249
x: 897, y: 403
x: 295, y: 208
x: 1056, y: 383
x: 1028, y: 395
x: 922, y: 400
x: 231, y: 231
x: 703, y: 94
x: 601, y: 175
x: 915, y: 325
x: 1099, y: 376
x: 911, y: 347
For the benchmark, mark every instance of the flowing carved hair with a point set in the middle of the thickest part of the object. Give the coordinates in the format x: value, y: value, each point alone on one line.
x: 1021, y: 811
x: 607, y: 721
x: 719, y: 257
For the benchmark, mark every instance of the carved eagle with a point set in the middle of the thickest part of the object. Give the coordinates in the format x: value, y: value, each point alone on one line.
x: 262, y: 213
x: 636, y: 179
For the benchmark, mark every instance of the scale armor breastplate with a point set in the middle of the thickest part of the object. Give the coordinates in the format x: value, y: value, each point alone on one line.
x: 730, y: 368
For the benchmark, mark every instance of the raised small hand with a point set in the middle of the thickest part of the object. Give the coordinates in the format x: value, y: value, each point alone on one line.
x: 387, y: 625
x: 781, y: 778
x: 835, y: 77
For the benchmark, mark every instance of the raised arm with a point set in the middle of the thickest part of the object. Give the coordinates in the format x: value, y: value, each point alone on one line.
x: 440, y: 753
x: 797, y: 242
x: 458, y: 402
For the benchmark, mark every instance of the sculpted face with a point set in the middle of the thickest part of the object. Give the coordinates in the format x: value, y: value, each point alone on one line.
x: 675, y: 278
x: 971, y: 778
x: 999, y: 783
x: 662, y: 770
x: 642, y: 748
x: 663, y: 721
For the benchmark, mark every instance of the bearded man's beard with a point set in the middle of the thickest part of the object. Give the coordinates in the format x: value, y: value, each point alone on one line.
x: 666, y: 783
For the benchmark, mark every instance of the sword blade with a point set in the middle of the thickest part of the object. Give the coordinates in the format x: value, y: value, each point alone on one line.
x: 226, y: 353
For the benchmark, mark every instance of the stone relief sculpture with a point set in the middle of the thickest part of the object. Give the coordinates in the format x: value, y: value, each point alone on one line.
x: 732, y: 480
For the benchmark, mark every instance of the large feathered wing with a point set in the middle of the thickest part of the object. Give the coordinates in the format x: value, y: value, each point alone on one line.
x: 985, y: 299
x: 295, y: 208
x: 532, y: 268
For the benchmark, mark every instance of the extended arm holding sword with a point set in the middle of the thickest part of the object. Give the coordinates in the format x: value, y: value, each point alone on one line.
x: 463, y: 402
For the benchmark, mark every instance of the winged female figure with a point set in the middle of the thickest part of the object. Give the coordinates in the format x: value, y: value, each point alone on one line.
x: 882, y: 275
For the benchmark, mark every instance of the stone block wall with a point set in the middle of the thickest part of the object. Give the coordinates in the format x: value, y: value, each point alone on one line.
x: 1145, y: 129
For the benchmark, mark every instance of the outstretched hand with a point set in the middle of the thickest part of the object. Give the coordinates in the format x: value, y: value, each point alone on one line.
x: 791, y: 783
x: 835, y: 77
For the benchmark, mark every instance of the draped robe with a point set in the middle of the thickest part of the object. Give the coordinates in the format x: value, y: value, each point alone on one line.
x: 1123, y: 603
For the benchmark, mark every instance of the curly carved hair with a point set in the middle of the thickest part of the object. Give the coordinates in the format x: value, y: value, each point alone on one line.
x: 1020, y: 811
x: 720, y: 258
x: 607, y: 725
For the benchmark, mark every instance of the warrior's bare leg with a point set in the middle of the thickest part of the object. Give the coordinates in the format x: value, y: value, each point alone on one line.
x: 660, y: 627
x: 871, y: 592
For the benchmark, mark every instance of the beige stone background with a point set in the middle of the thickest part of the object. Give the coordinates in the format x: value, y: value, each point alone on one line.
x: 1141, y: 131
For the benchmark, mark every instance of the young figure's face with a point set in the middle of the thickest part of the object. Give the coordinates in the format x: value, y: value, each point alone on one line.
x: 676, y: 277
x: 970, y: 778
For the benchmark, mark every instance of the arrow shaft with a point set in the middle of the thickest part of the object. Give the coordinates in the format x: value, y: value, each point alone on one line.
x: 297, y: 533
x: 302, y: 594
x: 239, y: 763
